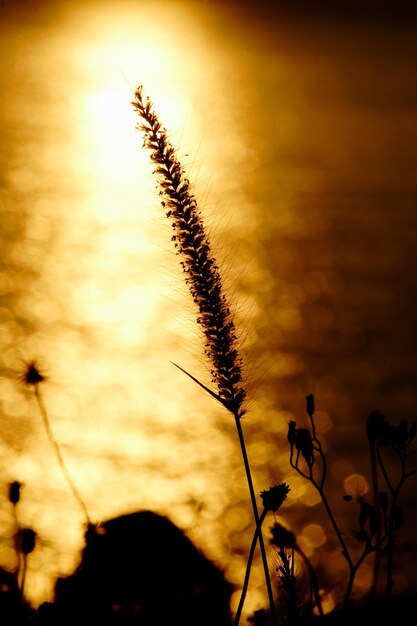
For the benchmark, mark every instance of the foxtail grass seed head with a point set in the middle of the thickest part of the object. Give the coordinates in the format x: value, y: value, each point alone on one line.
x: 32, y: 376
x: 199, y: 266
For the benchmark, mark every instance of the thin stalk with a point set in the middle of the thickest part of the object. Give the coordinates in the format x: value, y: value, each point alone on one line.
x: 23, y: 576
x: 320, y: 489
x: 377, y: 504
x: 391, y: 531
x: 345, y: 550
x: 58, y: 453
x: 353, y: 571
x: 256, y: 516
x: 16, y: 545
x: 248, y: 568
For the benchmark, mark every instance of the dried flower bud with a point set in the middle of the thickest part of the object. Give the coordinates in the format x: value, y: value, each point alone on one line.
x: 310, y: 404
x: 367, y: 517
x: 292, y: 432
x: 32, y: 376
x: 375, y: 425
x: 27, y: 540
x: 304, y: 443
x: 282, y: 537
x: 275, y: 496
x: 14, y: 492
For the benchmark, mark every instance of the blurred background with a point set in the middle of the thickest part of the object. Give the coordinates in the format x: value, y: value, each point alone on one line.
x: 299, y: 129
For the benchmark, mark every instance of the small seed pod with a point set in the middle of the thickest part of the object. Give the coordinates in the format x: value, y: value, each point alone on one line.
x: 310, y: 404
x: 375, y: 425
x: 27, y: 540
x: 304, y: 443
x: 14, y: 492
x: 292, y: 432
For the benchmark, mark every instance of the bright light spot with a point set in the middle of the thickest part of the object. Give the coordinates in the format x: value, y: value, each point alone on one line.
x: 237, y: 518
x: 298, y: 488
x: 314, y: 535
x: 363, y: 578
x: 356, y: 485
x: 328, y: 603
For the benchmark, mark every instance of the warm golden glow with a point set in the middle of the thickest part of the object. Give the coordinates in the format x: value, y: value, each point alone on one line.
x: 313, y: 535
x: 356, y: 485
x: 273, y: 137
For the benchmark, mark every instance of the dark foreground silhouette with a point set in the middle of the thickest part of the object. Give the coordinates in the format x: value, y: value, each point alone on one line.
x: 141, y: 569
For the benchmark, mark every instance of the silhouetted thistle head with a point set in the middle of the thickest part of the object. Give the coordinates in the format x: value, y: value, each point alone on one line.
x: 31, y: 376
x: 282, y: 537
x: 202, y: 274
x: 273, y: 498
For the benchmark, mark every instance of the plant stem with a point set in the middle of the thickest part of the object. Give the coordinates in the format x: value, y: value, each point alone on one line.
x: 256, y: 516
x: 248, y: 568
x: 23, y: 576
x: 391, y: 543
x: 345, y: 550
x: 353, y: 571
x: 58, y: 453
x: 375, y: 489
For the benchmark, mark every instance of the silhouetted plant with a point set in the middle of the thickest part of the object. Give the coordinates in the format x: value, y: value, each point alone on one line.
x: 26, y: 542
x: 379, y: 521
x: 205, y: 284
x: 289, y: 599
x: 388, y: 516
x: 24, y: 539
x: 285, y: 539
x: 33, y: 377
x: 272, y: 499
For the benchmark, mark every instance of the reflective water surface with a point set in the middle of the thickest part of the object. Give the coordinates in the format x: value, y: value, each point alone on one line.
x: 300, y: 136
